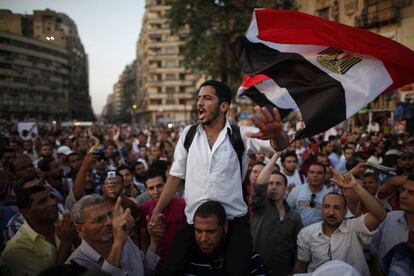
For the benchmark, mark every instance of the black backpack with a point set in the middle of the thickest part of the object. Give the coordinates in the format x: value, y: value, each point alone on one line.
x: 235, y: 140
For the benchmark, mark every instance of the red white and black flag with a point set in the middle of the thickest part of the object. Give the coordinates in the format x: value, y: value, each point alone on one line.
x: 327, y: 70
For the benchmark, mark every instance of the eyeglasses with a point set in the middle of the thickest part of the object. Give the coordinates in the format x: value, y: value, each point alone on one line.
x: 312, y: 201
x: 100, y: 219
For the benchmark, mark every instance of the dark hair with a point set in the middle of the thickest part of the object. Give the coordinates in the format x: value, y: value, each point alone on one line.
x: 123, y: 167
x: 259, y: 163
x: 282, y: 175
x: 152, y: 173
x: 72, y: 154
x: 371, y: 174
x: 23, y: 196
x: 410, y: 177
x: 134, y: 164
x: 44, y: 163
x: 25, y: 179
x: 287, y: 154
x: 223, y: 92
x: 338, y: 194
x: 161, y: 165
x: 319, y: 164
x: 211, y: 208
x: 10, y: 161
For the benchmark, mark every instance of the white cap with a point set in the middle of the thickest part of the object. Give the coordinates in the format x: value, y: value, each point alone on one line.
x: 334, y: 267
x: 64, y: 150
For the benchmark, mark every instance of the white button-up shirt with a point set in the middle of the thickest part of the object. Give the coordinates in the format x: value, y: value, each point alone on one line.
x: 345, y: 244
x: 214, y: 174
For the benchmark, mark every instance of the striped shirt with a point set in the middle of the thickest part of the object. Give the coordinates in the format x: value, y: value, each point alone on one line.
x: 200, y: 267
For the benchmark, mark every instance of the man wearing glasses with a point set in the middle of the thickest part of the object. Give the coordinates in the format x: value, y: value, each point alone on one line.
x: 337, y: 238
x: 105, y: 238
x: 307, y: 199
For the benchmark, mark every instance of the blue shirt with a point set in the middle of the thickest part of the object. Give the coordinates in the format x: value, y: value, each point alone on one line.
x: 399, y: 261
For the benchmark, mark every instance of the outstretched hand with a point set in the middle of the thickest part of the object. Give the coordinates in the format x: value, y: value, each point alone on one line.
x: 270, y: 125
x: 345, y: 181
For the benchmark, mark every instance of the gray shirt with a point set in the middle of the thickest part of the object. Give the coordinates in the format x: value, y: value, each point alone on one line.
x: 133, y: 260
x: 273, y: 238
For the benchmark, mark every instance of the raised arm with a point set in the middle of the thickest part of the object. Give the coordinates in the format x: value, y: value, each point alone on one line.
x: 80, y: 180
x: 264, y: 175
x: 376, y: 212
x: 391, y: 185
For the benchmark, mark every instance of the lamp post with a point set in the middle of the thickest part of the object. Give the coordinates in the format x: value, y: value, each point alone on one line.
x: 134, y: 108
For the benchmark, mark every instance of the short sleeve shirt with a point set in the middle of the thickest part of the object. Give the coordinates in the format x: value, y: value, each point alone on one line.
x: 345, y: 244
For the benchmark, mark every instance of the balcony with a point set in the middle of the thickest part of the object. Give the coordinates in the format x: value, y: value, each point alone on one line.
x: 378, y: 18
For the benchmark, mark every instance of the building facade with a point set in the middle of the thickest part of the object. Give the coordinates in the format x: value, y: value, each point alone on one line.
x: 43, y: 67
x: 166, y: 89
x: 121, y: 105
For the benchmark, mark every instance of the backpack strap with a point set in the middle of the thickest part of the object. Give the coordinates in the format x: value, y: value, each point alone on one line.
x: 235, y: 140
x: 237, y: 143
x: 190, y: 136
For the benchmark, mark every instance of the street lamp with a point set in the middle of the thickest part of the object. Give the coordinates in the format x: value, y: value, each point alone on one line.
x: 134, y: 108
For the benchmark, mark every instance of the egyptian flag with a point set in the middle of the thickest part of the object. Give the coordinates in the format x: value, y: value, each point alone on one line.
x: 326, y: 70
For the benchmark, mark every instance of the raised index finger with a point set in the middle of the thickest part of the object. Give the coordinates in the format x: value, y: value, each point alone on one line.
x: 118, y: 208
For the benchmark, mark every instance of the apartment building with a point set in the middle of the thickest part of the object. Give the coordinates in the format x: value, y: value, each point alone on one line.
x: 43, y: 67
x: 166, y: 90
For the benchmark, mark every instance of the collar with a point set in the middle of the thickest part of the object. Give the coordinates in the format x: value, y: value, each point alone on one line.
x: 342, y: 228
x: 33, y: 235
x: 401, y: 218
x: 86, y: 249
x: 226, y: 125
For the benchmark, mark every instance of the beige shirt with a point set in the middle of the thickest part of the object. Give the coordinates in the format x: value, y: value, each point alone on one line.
x: 29, y: 252
x: 345, y: 244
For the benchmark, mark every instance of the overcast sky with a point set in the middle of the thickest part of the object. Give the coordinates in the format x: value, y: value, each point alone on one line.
x: 108, y: 30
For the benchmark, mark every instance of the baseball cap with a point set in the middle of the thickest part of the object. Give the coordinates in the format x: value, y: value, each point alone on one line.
x: 64, y: 150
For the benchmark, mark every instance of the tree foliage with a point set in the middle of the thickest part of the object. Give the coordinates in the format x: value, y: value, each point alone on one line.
x: 212, y: 25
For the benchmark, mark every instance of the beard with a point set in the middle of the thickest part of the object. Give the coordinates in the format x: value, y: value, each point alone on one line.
x: 334, y: 224
x: 212, y: 117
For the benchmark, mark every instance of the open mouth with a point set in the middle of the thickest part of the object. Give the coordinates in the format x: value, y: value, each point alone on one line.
x: 201, y: 113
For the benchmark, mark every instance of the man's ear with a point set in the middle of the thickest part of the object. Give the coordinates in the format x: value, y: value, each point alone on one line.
x: 224, y: 106
x: 226, y: 226
x: 78, y: 228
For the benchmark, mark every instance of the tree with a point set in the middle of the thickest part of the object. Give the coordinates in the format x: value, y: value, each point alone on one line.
x: 211, y: 26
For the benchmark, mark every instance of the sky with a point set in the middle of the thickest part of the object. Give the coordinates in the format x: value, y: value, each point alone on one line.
x: 108, y: 30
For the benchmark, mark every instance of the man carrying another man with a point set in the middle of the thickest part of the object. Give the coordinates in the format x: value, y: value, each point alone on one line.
x: 211, y: 170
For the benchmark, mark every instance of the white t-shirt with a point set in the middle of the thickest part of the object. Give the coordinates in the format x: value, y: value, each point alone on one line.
x: 295, y: 178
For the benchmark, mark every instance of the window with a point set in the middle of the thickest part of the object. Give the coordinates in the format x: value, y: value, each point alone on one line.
x: 170, y: 50
x: 170, y: 64
x: 170, y: 90
x: 324, y: 13
x: 170, y: 76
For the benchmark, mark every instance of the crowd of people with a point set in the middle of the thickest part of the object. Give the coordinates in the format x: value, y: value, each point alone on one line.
x: 212, y: 198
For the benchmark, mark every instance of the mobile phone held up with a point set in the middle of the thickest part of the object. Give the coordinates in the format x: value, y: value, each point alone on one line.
x: 111, y: 175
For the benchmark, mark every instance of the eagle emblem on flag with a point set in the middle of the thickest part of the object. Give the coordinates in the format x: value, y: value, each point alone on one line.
x: 336, y: 60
